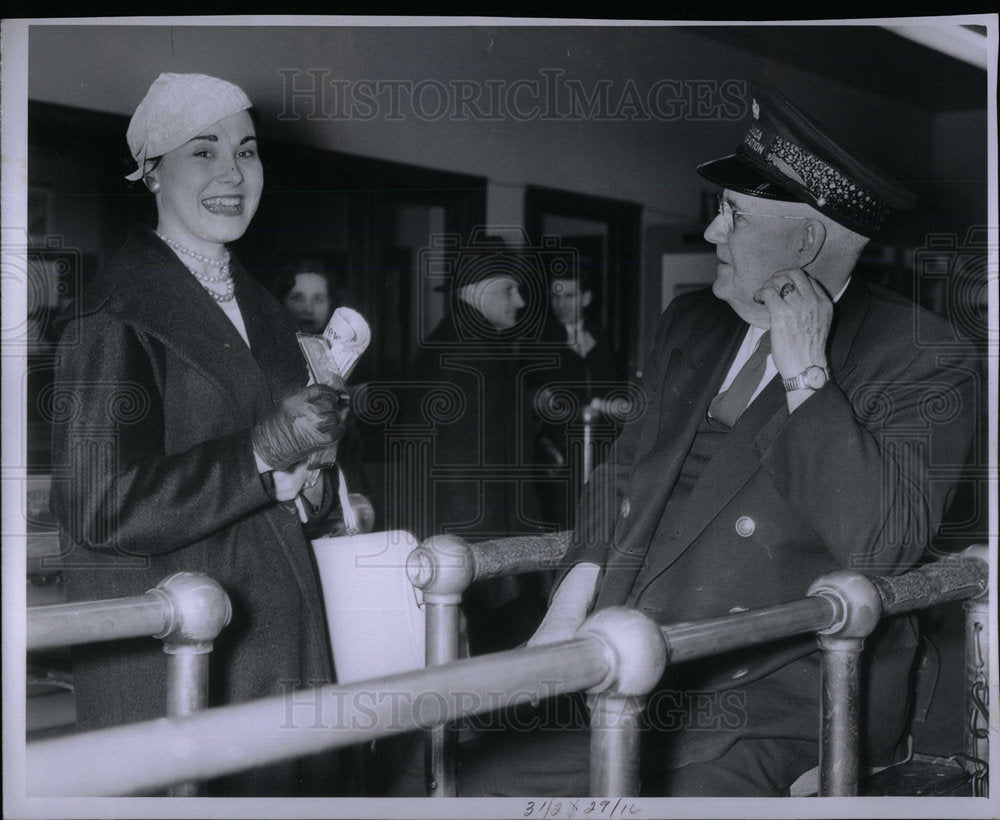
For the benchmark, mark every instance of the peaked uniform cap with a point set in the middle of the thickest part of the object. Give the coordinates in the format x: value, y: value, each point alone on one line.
x: 787, y: 155
x: 176, y: 108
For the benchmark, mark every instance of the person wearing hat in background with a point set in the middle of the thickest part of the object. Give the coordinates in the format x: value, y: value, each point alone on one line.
x: 788, y: 434
x: 186, y: 443
x: 473, y: 355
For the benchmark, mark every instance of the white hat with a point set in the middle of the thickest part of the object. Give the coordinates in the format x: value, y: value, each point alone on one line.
x: 176, y: 108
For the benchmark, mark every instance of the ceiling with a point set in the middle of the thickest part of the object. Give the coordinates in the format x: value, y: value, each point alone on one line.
x: 857, y: 56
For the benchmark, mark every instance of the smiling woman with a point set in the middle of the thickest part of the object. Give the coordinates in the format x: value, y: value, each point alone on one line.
x: 190, y: 427
x: 207, y: 190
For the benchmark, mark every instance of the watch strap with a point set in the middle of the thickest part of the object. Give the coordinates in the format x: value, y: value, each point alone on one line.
x: 799, y: 382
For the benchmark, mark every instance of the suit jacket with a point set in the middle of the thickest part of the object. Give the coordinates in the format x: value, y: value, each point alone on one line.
x: 156, y: 395
x: 843, y: 482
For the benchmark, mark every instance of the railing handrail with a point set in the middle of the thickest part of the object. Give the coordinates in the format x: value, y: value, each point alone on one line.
x: 186, y: 607
x: 512, y: 556
x: 150, y: 755
x: 138, y: 616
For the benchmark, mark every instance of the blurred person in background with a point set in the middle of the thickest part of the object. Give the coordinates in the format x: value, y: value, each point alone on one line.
x: 308, y: 290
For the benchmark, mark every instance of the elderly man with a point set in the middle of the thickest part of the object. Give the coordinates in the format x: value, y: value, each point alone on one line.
x: 469, y: 386
x: 792, y: 419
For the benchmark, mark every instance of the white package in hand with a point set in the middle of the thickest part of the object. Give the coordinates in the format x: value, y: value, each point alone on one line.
x: 348, y: 335
x: 337, y: 351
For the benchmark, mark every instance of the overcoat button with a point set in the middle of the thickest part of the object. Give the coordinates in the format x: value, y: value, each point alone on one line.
x: 626, y: 508
x: 745, y: 526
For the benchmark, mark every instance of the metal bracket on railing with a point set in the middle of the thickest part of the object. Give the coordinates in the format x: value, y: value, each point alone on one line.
x: 443, y: 567
x: 199, y: 610
x: 637, y: 656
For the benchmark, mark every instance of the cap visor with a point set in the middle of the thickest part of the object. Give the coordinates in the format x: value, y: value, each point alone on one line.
x: 733, y: 173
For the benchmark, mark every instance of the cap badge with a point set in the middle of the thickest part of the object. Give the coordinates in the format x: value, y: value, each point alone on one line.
x: 787, y: 170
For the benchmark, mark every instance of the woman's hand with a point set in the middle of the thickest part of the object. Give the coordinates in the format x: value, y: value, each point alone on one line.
x: 288, y: 483
x: 303, y: 422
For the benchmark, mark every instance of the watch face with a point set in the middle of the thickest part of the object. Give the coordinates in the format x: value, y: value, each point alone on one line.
x: 815, y: 377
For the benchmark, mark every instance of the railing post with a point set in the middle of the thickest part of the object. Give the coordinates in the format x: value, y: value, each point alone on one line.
x: 860, y: 608
x: 442, y: 567
x: 199, y: 609
x: 637, y: 655
x: 977, y: 690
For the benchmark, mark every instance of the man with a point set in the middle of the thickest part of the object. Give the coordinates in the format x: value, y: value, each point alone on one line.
x: 751, y: 475
x: 585, y: 373
x: 470, y: 387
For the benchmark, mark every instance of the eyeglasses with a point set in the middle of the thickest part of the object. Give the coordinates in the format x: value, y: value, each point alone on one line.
x: 728, y: 213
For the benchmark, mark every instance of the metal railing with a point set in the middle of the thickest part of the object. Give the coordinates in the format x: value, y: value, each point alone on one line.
x: 618, y: 655
x: 186, y: 611
x: 841, y: 607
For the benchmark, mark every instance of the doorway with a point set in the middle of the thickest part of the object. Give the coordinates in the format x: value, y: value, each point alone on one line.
x: 606, y: 233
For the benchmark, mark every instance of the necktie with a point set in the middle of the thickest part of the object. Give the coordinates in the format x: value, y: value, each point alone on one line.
x: 729, y: 405
x: 579, y: 340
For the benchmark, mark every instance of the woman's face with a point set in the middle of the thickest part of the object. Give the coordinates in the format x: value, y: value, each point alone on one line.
x: 309, y: 302
x: 207, y: 190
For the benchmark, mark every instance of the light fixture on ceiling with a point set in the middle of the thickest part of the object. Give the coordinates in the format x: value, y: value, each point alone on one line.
x: 952, y: 39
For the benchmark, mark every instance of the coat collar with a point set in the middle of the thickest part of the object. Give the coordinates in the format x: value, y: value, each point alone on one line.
x: 149, y: 288
x: 848, y: 315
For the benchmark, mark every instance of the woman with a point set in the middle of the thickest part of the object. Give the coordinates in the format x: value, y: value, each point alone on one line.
x: 306, y: 290
x: 189, y: 428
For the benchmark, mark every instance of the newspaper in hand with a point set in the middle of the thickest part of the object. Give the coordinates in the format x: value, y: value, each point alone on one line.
x: 337, y: 351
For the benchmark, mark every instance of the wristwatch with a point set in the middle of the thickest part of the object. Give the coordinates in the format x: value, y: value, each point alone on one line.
x: 813, y: 378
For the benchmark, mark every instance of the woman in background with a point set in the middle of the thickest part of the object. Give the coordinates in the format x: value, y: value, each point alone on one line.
x: 307, y: 290
x: 187, y: 431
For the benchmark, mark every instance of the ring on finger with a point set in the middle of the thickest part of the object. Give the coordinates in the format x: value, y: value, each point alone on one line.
x: 786, y: 289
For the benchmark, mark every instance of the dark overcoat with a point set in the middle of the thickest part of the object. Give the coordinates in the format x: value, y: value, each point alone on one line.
x: 471, y: 387
x: 563, y: 388
x: 156, y: 394
x: 856, y: 478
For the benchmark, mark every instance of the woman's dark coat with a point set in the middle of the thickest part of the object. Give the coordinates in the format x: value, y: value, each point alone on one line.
x: 154, y: 472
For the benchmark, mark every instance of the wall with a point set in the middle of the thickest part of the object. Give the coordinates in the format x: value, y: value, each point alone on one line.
x: 498, y: 102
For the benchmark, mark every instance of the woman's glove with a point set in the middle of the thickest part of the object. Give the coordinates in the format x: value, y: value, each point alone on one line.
x: 303, y: 422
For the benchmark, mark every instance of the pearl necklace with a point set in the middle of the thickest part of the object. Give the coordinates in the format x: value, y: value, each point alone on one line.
x: 222, y: 264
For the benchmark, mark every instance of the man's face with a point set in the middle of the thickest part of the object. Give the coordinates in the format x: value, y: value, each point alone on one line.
x: 567, y: 301
x: 499, y: 300
x: 753, y: 249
